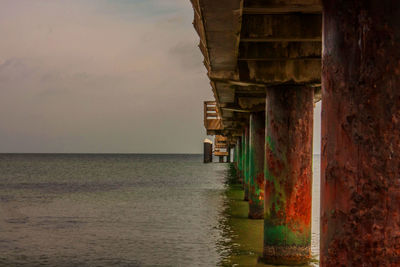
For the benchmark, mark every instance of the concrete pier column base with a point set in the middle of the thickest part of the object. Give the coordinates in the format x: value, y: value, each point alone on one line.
x: 288, y: 175
x: 256, y: 165
x: 360, y: 162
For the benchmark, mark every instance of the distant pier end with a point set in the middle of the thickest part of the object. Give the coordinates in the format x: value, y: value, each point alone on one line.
x: 208, y: 146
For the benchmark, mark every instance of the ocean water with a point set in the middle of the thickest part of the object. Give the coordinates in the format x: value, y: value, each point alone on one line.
x: 116, y: 210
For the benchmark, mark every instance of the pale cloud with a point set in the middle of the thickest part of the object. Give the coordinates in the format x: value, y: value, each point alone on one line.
x: 100, y: 76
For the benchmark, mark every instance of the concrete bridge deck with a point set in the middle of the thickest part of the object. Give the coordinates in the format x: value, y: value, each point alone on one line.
x: 268, y: 61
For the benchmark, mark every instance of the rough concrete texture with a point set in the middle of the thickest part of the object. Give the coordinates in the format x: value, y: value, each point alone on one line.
x: 256, y: 165
x: 360, y: 184
x: 246, y: 164
x: 288, y: 174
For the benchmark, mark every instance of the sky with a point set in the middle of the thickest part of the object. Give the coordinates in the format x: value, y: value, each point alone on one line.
x: 101, y: 76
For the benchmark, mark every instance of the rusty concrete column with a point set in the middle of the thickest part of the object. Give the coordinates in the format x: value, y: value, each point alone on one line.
x: 360, y: 164
x: 234, y: 154
x: 246, y: 164
x: 239, y: 158
x: 256, y: 165
x: 207, y: 153
x: 228, y: 158
x: 288, y: 175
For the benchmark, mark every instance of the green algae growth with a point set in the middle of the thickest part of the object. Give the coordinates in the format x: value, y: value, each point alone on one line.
x: 245, y: 235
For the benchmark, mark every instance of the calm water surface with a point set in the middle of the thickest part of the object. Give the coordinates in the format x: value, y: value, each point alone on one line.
x: 115, y: 210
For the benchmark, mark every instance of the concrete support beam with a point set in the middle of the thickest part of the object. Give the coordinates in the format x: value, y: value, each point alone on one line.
x: 239, y: 147
x: 288, y: 174
x: 281, y: 3
x: 246, y: 163
x: 279, y: 51
x: 207, y: 156
x: 281, y: 71
x: 228, y: 158
x: 234, y: 154
x: 282, y: 9
x: 293, y: 27
x: 256, y: 165
x: 360, y: 167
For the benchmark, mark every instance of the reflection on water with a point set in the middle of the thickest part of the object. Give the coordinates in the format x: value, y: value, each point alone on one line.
x: 244, y: 237
x: 122, y: 210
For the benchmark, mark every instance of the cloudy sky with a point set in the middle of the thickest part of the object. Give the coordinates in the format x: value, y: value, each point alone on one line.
x: 100, y: 76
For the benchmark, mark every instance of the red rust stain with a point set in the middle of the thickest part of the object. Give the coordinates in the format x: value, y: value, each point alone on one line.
x: 268, y: 190
x: 260, y: 180
x: 275, y: 166
x: 298, y: 205
x: 360, y: 186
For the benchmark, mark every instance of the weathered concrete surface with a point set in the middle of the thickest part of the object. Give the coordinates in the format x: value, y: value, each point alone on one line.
x: 239, y: 148
x: 217, y: 25
x: 207, y: 154
x: 246, y: 164
x: 360, y: 169
x: 256, y: 165
x: 288, y: 174
x: 244, y: 157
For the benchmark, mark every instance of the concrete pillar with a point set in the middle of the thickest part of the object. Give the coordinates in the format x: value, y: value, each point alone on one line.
x: 239, y: 158
x: 234, y: 154
x: 360, y: 163
x: 207, y: 151
x: 246, y: 164
x: 228, y: 158
x: 243, y: 156
x: 288, y: 175
x: 256, y: 165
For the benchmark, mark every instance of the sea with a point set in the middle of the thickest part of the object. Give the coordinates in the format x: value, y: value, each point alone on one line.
x: 123, y: 210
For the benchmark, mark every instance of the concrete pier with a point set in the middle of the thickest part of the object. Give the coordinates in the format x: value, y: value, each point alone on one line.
x: 265, y: 56
x: 360, y: 186
x: 256, y: 165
